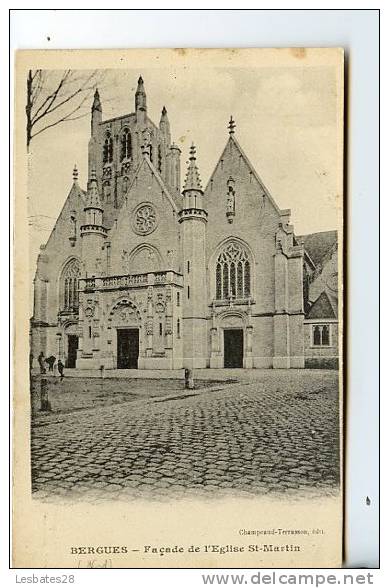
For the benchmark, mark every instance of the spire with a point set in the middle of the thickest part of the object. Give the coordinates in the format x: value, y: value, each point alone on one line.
x: 96, y: 101
x: 231, y: 126
x: 97, y: 114
x: 164, y: 128
x: 75, y: 174
x: 140, y: 96
x: 192, y: 179
x: 192, y: 205
x: 92, y: 196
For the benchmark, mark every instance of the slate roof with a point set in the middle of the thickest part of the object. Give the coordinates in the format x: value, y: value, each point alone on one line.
x: 322, y: 308
x: 318, y: 245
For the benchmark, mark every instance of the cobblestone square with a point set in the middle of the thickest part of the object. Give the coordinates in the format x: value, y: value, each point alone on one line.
x: 239, y: 432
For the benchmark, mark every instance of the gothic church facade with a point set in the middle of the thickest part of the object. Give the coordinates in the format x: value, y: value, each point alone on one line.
x: 139, y: 272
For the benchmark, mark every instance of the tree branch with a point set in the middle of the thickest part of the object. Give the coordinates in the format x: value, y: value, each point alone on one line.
x: 68, y: 117
x: 50, y: 94
x: 84, y: 88
x: 50, y: 99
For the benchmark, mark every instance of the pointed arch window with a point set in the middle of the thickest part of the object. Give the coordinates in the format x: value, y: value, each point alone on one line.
x: 159, y: 159
x: 69, y: 285
x: 108, y: 149
x: 126, y: 145
x: 321, y: 335
x: 233, y: 272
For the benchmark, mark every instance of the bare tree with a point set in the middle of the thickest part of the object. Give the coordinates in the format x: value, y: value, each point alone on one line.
x: 57, y: 96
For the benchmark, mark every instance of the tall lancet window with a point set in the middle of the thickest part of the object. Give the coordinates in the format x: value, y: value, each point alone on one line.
x: 126, y: 145
x: 69, y: 285
x: 233, y: 275
x: 108, y: 149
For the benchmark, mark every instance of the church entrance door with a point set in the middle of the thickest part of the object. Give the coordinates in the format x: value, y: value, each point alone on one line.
x: 128, y: 348
x: 233, y: 348
x: 72, y: 351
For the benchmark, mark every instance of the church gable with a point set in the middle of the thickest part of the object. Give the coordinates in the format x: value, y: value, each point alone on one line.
x: 237, y: 201
x: 64, y: 241
x: 234, y: 160
x: 322, y: 308
x: 145, y: 235
x: 240, y: 208
x: 62, y: 248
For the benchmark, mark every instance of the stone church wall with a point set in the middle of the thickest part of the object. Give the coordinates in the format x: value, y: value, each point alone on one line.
x: 322, y: 357
x: 162, y: 239
x: 59, y: 249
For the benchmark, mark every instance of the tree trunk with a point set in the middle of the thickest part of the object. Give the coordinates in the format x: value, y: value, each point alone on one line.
x: 28, y: 109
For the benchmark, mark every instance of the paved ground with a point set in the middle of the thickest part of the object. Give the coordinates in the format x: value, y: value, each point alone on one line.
x: 73, y: 394
x: 270, y: 432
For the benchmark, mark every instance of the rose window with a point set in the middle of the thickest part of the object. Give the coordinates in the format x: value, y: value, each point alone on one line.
x: 145, y: 219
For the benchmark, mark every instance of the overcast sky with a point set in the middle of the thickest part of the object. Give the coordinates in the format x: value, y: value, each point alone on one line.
x: 285, y: 121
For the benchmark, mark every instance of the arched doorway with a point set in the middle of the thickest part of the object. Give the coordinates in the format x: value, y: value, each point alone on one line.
x: 127, y: 348
x: 233, y: 348
x: 71, y: 345
x: 125, y: 319
x: 233, y: 325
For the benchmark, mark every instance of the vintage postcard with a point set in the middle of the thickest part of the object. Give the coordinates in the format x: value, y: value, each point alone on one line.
x: 178, y: 308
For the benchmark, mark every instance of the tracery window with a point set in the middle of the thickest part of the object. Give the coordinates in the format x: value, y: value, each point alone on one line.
x: 108, y: 149
x: 126, y: 145
x: 233, y: 272
x: 69, y: 285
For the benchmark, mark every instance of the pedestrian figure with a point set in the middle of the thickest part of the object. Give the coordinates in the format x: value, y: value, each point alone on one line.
x: 60, y: 367
x: 41, y: 359
x: 50, y: 362
x: 45, y: 402
x: 189, y: 380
